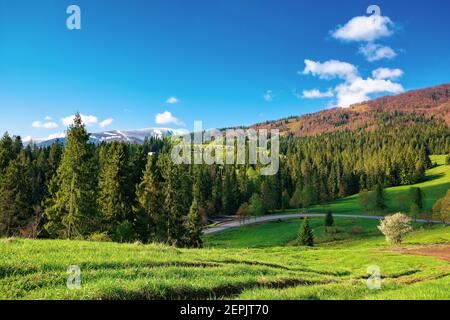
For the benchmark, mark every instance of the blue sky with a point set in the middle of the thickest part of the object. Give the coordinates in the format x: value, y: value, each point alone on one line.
x: 226, y: 62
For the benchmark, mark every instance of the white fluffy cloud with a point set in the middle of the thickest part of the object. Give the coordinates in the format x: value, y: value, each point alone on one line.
x: 364, y: 28
x: 44, y: 125
x: 330, y: 69
x: 172, y: 100
x: 386, y: 73
x: 268, y: 96
x: 374, y: 52
x: 354, y: 88
x: 316, y: 94
x: 167, y: 118
x: 88, y: 120
x: 105, y: 123
x: 359, y: 90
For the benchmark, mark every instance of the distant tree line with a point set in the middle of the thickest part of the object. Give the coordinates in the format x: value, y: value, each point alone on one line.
x: 128, y: 192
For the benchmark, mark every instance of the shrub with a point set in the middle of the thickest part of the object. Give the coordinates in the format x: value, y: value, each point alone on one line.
x: 244, y: 212
x: 395, y: 227
x: 100, y: 237
x: 124, y: 232
x: 256, y: 205
x: 441, y: 209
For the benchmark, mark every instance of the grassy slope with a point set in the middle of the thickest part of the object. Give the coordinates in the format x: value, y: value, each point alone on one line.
x: 285, y: 232
x: 437, y: 184
x: 37, y: 269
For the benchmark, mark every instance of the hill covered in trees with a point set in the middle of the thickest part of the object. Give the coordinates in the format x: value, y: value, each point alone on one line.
x: 430, y: 105
x: 125, y: 192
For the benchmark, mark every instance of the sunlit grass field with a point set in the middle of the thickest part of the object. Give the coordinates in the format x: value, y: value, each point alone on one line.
x: 280, y: 233
x: 38, y: 270
x: 254, y: 262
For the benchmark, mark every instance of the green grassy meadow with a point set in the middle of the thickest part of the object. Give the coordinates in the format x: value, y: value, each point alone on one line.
x: 38, y: 270
x: 281, y: 233
x: 253, y: 262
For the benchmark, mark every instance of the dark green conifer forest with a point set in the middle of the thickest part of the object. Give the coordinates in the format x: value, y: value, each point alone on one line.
x: 129, y: 192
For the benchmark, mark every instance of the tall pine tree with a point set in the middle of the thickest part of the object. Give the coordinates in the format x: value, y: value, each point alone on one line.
x: 112, y: 200
x: 176, y: 200
x: 15, y: 198
x: 150, y: 217
x: 72, y: 206
x: 193, y: 227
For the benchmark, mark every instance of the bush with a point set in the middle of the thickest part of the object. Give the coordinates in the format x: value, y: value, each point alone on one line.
x: 256, y: 205
x: 124, y: 232
x: 395, y: 227
x: 100, y: 237
x: 441, y: 209
x: 244, y: 212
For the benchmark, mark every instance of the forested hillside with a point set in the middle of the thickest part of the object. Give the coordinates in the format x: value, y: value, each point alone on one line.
x: 126, y: 192
x: 424, y: 106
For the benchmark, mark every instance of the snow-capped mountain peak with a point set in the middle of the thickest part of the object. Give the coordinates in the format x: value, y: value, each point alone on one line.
x: 131, y: 136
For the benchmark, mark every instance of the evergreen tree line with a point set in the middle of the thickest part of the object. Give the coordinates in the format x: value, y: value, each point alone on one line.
x: 127, y: 192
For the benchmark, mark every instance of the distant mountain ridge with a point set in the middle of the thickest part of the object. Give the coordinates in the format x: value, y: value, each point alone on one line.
x: 417, y: 106
x: 131, y: 136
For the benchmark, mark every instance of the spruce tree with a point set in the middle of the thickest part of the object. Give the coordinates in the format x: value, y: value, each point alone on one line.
x: 329, y: 220
x: 285, y: 200
x: 54, y: 160
x: 306, y: 235
x: 193, y: 227
x: 244, y: 184
x: 71, y: 210
x: 230, y: 192
x: 270, y: 193
x: 15, y: 198
x: 112, y: 201
x: 417, y: 197
x: 150, y: 222
x: 202, y: 186
x: 216, y: 196
x: 380, y: 203
x: 6, y: 151
x: 296, y: 200
x: 175, y: 199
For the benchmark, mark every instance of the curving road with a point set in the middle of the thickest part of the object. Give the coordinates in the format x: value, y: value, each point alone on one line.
x: 236, y: 223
